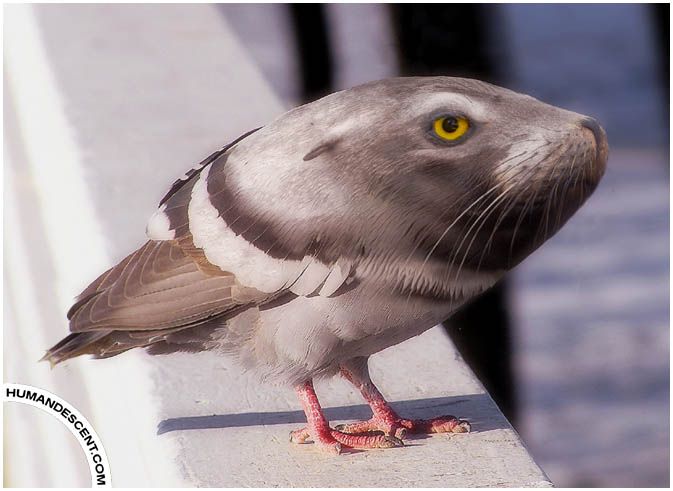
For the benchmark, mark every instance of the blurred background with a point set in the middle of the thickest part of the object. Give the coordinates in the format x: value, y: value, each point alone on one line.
x: 574, y: 346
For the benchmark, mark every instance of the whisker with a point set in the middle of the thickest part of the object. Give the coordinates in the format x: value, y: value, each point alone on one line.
x: 447, y: 229
x: 529, y: 203
x: 483, y: 218
x: 569, y: 184
x: 500, y: 198
x: 507, y: 208
x: 528, y: 155
x: 509, y: 205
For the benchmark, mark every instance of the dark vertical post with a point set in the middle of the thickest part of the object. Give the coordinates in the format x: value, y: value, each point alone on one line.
x: 660, y: 17
x: 447, y: 39
x: 460, y: 40
x: 312, y: 38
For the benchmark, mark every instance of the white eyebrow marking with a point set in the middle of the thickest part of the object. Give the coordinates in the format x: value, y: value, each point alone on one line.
x: 452, y: 100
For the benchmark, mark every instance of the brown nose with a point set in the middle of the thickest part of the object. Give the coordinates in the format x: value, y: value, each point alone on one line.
x: 600, y: 139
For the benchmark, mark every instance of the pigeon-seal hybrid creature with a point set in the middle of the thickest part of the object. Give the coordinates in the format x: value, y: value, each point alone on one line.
x: 343, y: 227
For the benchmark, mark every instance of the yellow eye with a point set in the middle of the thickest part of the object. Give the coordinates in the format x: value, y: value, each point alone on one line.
x: 450, y: 127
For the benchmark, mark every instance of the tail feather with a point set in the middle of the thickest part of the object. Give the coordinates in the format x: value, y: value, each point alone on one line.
x: 107, y: 343
x: 75, y: 344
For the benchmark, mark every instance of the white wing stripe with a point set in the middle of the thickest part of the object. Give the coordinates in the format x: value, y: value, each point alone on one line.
x: 336, y: 278
x: 159, y: 226
x: 230, y: 252
x: 312, y: 277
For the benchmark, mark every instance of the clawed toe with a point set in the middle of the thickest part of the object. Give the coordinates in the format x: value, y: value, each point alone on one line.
x: 401, y: 433
x: 399, y: 428
x: 360, y: 428
x: 300, y: 436
x: 373, y: 427
x: 441, y: 424
x: 365, y: 442
x: 335, y: 441
x: 462, y: 427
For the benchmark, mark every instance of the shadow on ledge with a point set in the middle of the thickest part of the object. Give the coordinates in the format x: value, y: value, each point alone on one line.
x: 478, y: 409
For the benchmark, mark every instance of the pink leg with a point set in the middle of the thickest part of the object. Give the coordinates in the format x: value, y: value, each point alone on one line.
x: 384, y: 418
x: 319, y: 431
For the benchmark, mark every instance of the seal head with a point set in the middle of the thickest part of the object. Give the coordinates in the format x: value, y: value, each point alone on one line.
x: 443, y: 177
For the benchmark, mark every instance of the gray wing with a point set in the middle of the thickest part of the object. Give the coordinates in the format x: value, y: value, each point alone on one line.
x: 164, y: 287
x: 151, y: 295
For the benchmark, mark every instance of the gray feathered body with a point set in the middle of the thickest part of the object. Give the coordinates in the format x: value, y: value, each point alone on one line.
x: 343, y: 228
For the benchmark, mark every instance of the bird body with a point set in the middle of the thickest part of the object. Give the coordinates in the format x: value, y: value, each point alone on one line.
x: 344, y: 227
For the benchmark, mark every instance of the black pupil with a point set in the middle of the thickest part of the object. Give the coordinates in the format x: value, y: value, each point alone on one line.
x: 450, y: 124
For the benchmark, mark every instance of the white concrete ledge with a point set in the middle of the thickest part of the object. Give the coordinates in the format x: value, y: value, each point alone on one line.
x: 233, y: 432
x: 135, y: 94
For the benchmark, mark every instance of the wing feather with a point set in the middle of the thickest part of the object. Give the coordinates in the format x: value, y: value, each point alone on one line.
x: 171, y: 284
x: 159, y: 287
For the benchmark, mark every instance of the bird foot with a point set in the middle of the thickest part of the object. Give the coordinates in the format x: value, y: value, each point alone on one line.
x: 399, y: 427
x: 334, y: 441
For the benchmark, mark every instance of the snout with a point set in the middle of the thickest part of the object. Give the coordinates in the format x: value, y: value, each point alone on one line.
x: 595, y: 135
